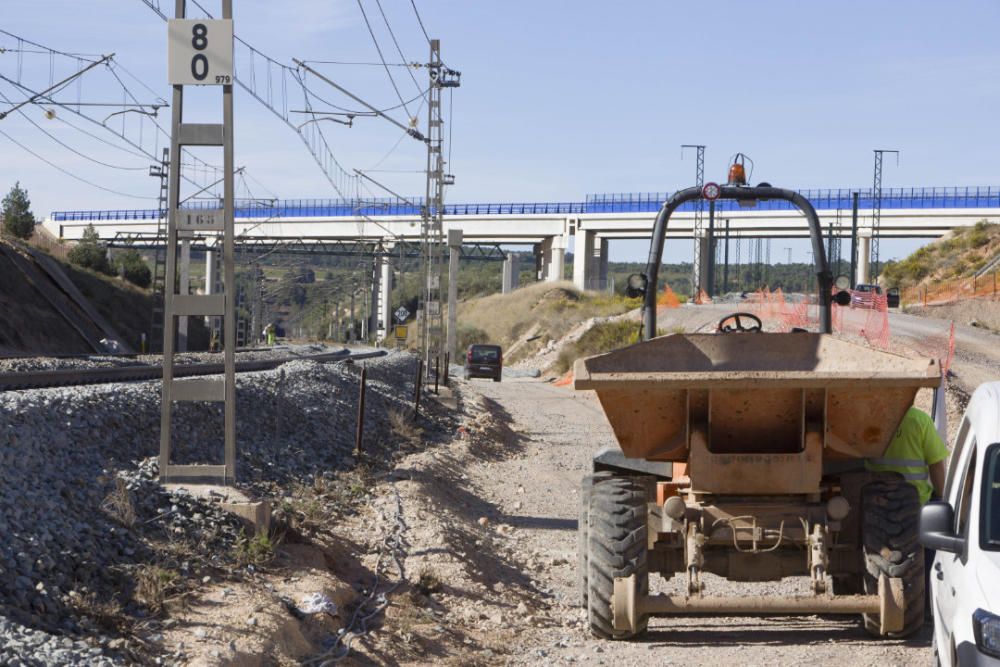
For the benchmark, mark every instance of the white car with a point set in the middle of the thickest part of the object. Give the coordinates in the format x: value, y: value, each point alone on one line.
x: 964, y: 528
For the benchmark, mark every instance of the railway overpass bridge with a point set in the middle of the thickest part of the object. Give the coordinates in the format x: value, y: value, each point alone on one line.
x: 591, y: 225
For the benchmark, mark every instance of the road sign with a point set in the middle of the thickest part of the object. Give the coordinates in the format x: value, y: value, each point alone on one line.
x: 401, y: 331
x: 200, y: 52
x: 401, y: 314
x: 711, y: 191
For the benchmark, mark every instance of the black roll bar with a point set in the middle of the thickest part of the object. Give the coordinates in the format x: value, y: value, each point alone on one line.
x: 823, y: 275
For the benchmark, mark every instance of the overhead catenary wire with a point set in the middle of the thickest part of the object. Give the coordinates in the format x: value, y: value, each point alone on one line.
x: 385, y: 18
x: 381, y: 57
x: 420, y: 21
x: 113, y: 66
x: 71, y: 174
x: 312, y: 135
x: 70, y: 148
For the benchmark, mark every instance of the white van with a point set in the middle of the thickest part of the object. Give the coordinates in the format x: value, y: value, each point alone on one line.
x: 964, y: 528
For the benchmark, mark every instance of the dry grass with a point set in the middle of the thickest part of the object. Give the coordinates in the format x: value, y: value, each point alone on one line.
x: 312, y: 509
x: 118, y: 505
x: 404, y: 427
x: 547, y: 310
x: 153, y: 586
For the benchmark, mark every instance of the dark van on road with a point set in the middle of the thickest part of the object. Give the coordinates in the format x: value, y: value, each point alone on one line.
x: 483, y: 361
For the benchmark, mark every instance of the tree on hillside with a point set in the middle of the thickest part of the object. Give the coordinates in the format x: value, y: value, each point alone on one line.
x: 18, y: 220
x: 134, y: 268
x: 90, y: 254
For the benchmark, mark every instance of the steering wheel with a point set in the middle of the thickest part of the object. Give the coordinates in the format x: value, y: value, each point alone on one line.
x: 737, y: 323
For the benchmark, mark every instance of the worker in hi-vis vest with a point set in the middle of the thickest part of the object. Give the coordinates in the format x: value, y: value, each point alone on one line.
x: 917, y: 453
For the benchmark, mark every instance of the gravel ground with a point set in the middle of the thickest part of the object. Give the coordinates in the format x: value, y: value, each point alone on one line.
x: 537, y: 493
x: 70, y: 550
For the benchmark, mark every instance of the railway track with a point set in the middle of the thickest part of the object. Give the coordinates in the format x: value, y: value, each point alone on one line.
x: 75, y: 376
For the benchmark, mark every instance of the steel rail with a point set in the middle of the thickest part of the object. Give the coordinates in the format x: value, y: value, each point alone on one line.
x: 67, y: 377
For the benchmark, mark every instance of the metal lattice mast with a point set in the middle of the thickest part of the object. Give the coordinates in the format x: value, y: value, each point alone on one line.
x: 767, y: 263
x: 877, y: 209
x: 699, y: 213
x: 432, y: 243
x: 161, y: 171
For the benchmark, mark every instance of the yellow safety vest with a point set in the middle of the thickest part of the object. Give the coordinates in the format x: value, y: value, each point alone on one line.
x: 914, y: 448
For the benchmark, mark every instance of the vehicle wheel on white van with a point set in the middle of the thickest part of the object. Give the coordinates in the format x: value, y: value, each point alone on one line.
x: 889, y: 533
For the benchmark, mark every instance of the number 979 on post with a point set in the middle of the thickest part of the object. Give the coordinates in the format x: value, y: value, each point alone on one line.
x: 200, y: 52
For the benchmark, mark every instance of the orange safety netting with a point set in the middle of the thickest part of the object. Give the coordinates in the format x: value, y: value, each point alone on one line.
x: 870, y: 321
x: 668, y: 299
x: 947, y: 291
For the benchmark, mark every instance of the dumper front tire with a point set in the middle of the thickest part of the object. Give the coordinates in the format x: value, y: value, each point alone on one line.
x: 616, y: 547
x: 582, y: 548
x: 889, y: 532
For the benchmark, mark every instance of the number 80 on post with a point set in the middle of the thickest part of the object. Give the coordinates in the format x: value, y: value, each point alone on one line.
x: 200, y: 52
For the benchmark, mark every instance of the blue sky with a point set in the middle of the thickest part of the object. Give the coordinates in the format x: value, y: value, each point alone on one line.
x: 561, y: 99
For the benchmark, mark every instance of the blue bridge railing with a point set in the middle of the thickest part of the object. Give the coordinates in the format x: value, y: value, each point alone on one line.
x: 631, y: 202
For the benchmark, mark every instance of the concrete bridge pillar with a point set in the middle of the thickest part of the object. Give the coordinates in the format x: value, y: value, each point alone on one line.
x: 705, y: 258
x: 454, y: 252
x: 864, y: 255
x: 539, y: 251
x: 212, y: 285
x: 511, y: 274
x: 385, y: 296
x: 550, y: 258
x: 557, y: 259
x: 582, y: 253
x: 597, y: 271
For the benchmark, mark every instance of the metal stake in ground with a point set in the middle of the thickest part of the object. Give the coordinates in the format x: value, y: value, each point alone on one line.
x: 279, y: 404
x: 417, y: 386
x: 361, y: 412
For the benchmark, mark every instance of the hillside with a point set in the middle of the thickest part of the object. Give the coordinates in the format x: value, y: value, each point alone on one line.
x: 33, y: 325
x: 960, y: 254
x: 530, y: 319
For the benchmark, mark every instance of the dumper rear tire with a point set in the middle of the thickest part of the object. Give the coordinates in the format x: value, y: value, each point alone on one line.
x: 616, y: 547
x: 889, y: 533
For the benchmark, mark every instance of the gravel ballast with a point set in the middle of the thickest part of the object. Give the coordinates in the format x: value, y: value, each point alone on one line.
x: 64, y: 450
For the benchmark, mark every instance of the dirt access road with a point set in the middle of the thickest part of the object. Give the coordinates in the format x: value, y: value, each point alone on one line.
x: 539, y: 491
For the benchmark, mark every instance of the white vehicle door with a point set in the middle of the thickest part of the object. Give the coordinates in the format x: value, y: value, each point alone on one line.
x: 948, y: 574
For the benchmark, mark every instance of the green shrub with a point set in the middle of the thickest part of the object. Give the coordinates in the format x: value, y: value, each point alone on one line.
x: 600, y: 338
x: 134, y: 269
x: 90, y: 254
x: 18, y: 220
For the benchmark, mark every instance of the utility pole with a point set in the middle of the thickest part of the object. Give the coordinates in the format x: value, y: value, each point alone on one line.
x: 725, y: 263
x: 699, y: 171
x: 877, y: 209
x: 710, y: 278
x: 854, y: 238
x: 789, y: 251
x: 432, y: 220
x: 162, y: 172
